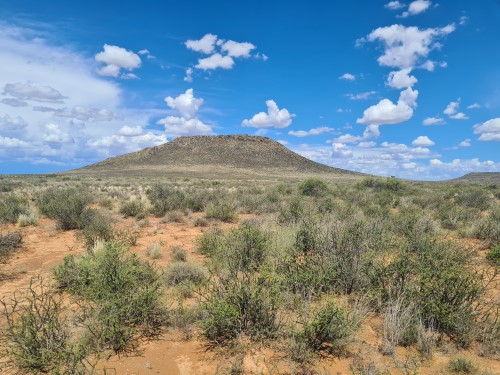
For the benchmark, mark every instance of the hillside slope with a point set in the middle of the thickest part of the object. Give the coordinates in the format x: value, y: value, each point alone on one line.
x: 223, y: 155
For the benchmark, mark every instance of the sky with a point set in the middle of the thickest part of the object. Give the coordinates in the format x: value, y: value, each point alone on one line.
x: 393, y: 88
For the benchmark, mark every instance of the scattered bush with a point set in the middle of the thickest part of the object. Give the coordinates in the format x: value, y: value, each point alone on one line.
x: 11, y: 207
x: 121, y: 291
x: 329, y: 329
x: 185, y: 272
x: 97, y: 227
x: 379, y: 184
x: 8, y: 243
x: 132, y: 208
x: 36, y: 334
x: 178, y: 254
x: 474, y: 198
x: 223, y: 210
x: 493, y: 255
x: 174, y: 217
x: 462, y: 366
x: 313, y: 187
x: 200, y: 222
x: 65, y: 206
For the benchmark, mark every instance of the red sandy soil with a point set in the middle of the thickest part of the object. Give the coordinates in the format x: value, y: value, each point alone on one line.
x: 44, y: 247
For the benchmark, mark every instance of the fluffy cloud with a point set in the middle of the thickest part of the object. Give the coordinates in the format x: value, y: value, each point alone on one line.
x: 116, y: 58
x: 222, y: 53
x: 314, y: 131
x: 236, y: 49
x: 465, y: 143
x: 340, y: 150
x: 130, y: 131
x: 433, y: 121
x: 474, y: 106
x: 423, y: 141
x: 401, y: 79
x: 452, y: 111
x: 114, y: 144
x: 405, y: 47
x: 186, y: 104
x: 275, y: 117
x: 13, y: 143
x: 187, y: 123
x: 489, y: 130
x: 215, y: 61
x: 82, y: 113
x: 33, y: 91
x: 386, y: 112
x: 14, y: 102
x: 204, y: 45
x: 417, y: 7
x: 394, y: 5
x: 54, y: 134
x: 348, y: 77
x: 12, y: 124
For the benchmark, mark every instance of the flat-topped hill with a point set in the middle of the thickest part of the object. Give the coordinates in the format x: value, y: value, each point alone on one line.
x: 212, y: 156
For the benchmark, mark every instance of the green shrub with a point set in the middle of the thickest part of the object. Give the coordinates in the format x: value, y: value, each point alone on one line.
x: 65, y: 206
x: 224, y: 210
x: 488, y: 227
x: 11, y: 207
x: 243, y: 304
x: 379, y: 184
x: 36, y: 335
x: 329, y: 329
x: 200, y: 222
x: 174, y: 216
x: 131, y: 208
x: 474, y: 198
x: 8, y: 243
x: 313, y: 187
x: 493, y: 255
x: 178, y: 254
x: 164, y: 198
x: 210, y: 242
x: 462, y: 366
x: 122, y: 294
x: 97, y: 227
x: 185, y: 272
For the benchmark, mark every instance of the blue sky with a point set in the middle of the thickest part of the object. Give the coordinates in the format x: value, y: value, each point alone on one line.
x: 405, y: 88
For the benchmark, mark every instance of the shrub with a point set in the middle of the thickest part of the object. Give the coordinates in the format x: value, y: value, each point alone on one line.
x: 164, y: 198
x: 131, y: 208
x: 200, y: 222
x: 493, y: 255
x: 488, y: 227
x: 399, y: 319
x: 185, y: 272
x: 224, y: 210
x: 461, y: 366
x: 174, y: 217
x: 97, y: 228
x: 243, y: 304
x: 36, y: 333
x: 474, y: 198
x: 11, y: 207
x: 313, y: 187
x: 155, y: 251
x: 30, y: 218
x: 210, y: 242
x: 121, y: 291
x: 329, y: 329
x: 178, y: 254
x: 65, y: 206
x: 8, y: 243
x: 379, y: 184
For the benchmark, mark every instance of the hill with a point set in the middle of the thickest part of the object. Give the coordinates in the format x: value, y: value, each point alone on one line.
x: 485, y: 177
x: 222, y: 156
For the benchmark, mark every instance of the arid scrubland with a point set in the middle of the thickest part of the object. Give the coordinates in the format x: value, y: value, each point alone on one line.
x: 366, y: 276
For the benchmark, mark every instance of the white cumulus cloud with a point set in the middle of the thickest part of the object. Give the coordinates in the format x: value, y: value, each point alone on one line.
x: 348, y: 77
x: 416, y: 7
x: 401, y: 79
x: 394, y: 5
x: 215, y: 61
x: 236, y: 49
x: 423, y: 141
x: 405, y: 47
x: 433, y: 121
x: 116, y: 58
x: 386, y: 112
x: 204, y: 45
x: 275, y: 117
x: 489, y: 130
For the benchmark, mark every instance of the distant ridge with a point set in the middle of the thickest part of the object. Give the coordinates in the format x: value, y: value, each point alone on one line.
x: 212, y: 156
x: 493, y: 177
